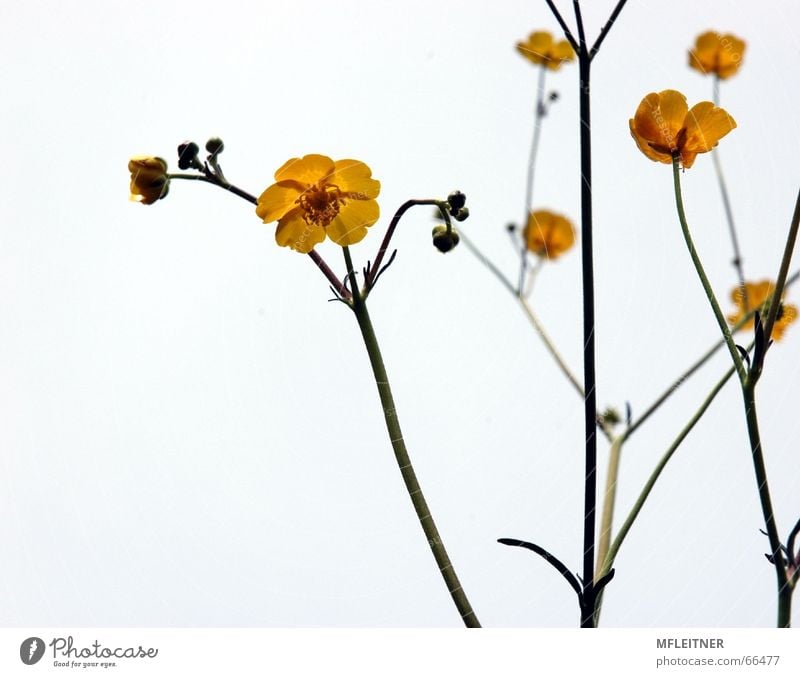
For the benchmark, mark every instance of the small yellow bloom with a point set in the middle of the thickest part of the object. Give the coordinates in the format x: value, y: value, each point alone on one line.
x: 716, y: 53
x: 757, y: 294
x: 548, y: 235
x: 541, y: 49
x: 149, y: 180
x: 315, y: 196
x: 663, y: 124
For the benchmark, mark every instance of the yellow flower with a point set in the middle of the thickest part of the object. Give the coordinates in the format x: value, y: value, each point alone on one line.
x: 149, y: 180
x: 716, y: 53
x: 541, y: 49
x: 315, y: 196
x: 757, y: 293
x: 548, y: 235
x: 663, y: 124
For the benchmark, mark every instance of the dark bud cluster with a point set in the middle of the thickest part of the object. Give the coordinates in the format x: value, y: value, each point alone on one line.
x: 189, y: 152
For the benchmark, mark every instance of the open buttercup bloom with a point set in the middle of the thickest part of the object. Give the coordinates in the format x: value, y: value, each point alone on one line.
x: 149, y: 180
x: 717, y: 54
x: 315, y: 197
x: 548, y: 235
x: 664, y: 124
x: 543, y: 50
x: 757, y: 293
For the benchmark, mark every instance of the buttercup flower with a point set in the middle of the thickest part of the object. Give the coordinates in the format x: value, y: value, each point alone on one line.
x: 717, y: 54
x: 548, y: 235
x: 757, y: 293
x: 149, y: 180
x: 663, y: 124
x: 541, y: 49
x: 314, y: 196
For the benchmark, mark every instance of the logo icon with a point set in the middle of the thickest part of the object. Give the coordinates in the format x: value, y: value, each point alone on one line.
x: 31, y: 650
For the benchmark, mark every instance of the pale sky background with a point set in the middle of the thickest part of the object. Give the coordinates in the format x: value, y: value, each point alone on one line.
x: 190, y: 433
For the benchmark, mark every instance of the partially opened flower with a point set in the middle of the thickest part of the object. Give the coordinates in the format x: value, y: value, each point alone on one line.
x: 149, y: 180
x: 752, y: 297
x: 543, y: 50
x: 548, y: 235
x: 664, y: 125
x: 714, y: 53
x: 315, y: 197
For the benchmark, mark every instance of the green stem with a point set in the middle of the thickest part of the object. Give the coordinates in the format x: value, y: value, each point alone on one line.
x: 608, y: 561
x: 609, y: 501
x: 359, y: 307
x: 784, y: 589
x: 782, y: 280
x: 705, y: 357
x: 712, y: 299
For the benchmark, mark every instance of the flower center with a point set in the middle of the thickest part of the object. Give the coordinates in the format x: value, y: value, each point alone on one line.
x: 320, y: 204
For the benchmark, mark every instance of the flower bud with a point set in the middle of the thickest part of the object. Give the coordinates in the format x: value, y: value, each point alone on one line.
x: 187, y: 154
x: 149, y: 180
x: 215, y: 146
x: 462, y: 214
x: 456, y: 200
x: 443, y: 240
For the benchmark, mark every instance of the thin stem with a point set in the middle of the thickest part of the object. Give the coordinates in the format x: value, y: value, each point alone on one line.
x: 535, y: 323
x: 316, y: 258
x: 607, y: 28
x: 567, y: 33
x: 696, y: 366
x: 712, y: 299
x: 327, y: 272
x: 784, y: 590
x: 781, y: 282
x: 376, y: 266
x: 551, y: 348
x: 726, y: 203
x: 608, y: 561
x: 486, y: 261
x: 609, y: 501
x: 457, y: 593
x: 210, y: 178
x: 537, y: 132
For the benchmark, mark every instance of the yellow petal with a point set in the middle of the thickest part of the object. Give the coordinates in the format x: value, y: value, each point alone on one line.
x: 788, y: 315
x: 548, y: 234
x: 147, y: 163
x: 278, y: 199
x: 729, y: 59
x: 294, y: 232
x: 309, y: 169
x: 537, y: 47
x: 645, y: 147
x: 563, y: 51
x: 354, y: 177
x: 350, y: 225
x: 706, y: 124
x: 703, y: 56
x: 659, y: 119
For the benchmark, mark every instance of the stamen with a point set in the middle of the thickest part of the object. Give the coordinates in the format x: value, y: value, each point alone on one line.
x: 320, y: 204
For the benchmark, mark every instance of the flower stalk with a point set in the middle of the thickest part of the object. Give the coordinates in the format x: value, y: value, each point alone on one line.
x: 748, y: 379
x: 359, y: 307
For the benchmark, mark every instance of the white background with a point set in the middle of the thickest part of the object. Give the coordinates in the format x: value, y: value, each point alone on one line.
x: 190, y: 433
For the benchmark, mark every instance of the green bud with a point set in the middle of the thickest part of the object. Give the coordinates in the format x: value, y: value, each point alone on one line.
x: 462, y: 214
x: 214, y: 145
x: 444, y: 241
